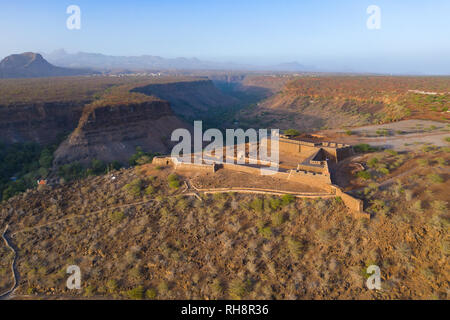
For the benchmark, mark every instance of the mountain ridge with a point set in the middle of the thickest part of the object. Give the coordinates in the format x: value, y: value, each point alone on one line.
x: 102, y: 61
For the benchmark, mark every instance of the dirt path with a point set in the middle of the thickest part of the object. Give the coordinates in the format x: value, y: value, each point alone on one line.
x: 411, y: 136
x: 261, y: 191
x: 10, y: 293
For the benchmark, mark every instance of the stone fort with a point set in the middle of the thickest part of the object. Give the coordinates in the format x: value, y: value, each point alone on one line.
x: 305, y: 159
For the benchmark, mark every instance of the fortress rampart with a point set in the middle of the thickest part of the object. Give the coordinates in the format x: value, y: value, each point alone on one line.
x: 331, y: 150
x: 179, y: 164
x: 355, y: 205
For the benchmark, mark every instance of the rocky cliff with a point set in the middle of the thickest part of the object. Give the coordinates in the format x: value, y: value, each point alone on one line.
x: 112, y: 132
x: 40, y: 122
x: 41, y: 110
x: 190, y: 99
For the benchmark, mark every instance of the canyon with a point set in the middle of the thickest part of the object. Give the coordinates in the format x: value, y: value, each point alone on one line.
x: 110, y: 122
x: 162, y: 229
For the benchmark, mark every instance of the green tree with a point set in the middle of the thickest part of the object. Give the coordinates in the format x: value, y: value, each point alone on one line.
x: 287, y: 199
x: 98, y: 167
x: 136, y: 293
x: 291, y: 132
x: 46, y: 158
x: 71, y: 171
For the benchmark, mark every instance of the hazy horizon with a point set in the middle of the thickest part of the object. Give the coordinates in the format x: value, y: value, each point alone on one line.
x: 327, y: 36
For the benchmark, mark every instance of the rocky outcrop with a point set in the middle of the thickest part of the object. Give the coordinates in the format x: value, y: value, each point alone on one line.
x: 41, y: 122
x: 113, y: 132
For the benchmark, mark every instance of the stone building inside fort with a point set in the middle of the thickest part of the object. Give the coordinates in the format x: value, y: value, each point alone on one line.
x: 311, y: 154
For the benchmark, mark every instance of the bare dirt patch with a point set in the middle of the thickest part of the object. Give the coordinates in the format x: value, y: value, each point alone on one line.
x: 404, y: 135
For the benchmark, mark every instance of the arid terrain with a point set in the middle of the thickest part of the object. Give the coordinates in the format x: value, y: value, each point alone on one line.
x: 403, y: 135
x: 134, y: 236
x: 139, y: 230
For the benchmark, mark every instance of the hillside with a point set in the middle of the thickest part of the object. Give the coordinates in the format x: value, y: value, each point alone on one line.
x: 139, y: 235
x: 33, y: 65
x: 312, y: 103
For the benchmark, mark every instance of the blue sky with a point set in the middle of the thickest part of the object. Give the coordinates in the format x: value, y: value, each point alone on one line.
x: 331, y: 34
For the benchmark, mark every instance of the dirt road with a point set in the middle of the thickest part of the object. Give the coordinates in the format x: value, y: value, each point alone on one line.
x: 9, y: 294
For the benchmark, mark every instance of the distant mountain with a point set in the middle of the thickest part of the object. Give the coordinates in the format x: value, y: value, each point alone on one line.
x: 33, y: 65
x: 149, y: 62
x: 101, y: 61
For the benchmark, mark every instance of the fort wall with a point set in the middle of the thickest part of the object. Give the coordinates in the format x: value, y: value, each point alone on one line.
x: 295, y: 147
x: 162, y: 161
x: 318, y: 179
x: 355, y: 205
x: 196, y: 166
x: 306, y: 167
x: 343, y: 153
x: 315, y: 179
x: 180, y: 165
x: 334, y: 151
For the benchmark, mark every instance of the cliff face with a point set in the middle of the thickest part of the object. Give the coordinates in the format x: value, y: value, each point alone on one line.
x: 113, y: 133
x: 190, y: 99
x: 111, y: 125
x: 249, y: 89
x: 39, y: 122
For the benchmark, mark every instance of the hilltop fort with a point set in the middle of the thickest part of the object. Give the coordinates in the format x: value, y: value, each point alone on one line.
x: 304, y: 160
